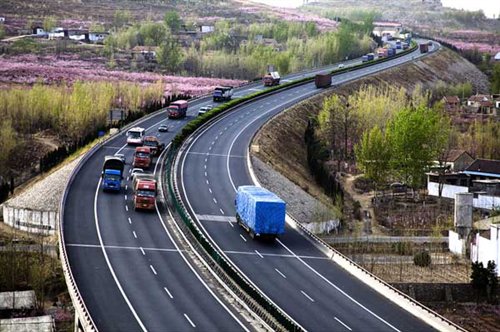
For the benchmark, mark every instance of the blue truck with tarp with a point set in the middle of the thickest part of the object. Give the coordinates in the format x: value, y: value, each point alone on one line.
x: 222, y: 93
x: 260, y: 212
x: 112, y: 173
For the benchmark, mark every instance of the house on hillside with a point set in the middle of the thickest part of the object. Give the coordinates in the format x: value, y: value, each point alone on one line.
x: 2, y: 19
x: 481, y: 177
x: 205, y: 28
x: 451, y: 103
x: 56, y: 33
x: 482, y: 104
x: 455, y: 160
x: 39, y: 31
x: 147, y: 52
x: 96, y: 37
x: 497, y: 57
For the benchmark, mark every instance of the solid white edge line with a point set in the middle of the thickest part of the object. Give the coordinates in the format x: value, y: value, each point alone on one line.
x: 108, y: 262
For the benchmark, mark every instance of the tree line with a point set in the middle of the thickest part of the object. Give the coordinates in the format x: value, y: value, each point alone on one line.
x: 236, y: 50
x: 69, y: 112
x: 391, y: 135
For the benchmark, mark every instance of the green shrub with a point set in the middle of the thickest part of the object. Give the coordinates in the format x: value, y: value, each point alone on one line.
x: 422, y: 259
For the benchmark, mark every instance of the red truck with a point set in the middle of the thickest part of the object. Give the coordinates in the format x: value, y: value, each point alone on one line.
x: 142, y: 157
x: 154, y: 144
x: 144, y: 194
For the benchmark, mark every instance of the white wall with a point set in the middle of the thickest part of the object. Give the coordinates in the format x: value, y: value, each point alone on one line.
x: 484, y: 250
x: 455, y: 244
x: 449, y: 191
x: 32, y: 221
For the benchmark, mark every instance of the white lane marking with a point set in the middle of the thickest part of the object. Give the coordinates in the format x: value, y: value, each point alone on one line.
x: 207, y: 182
x: 142, y: 250
x: 215, y: 201
x: 125, y: 197
x: 210, y: 190
x: 205, y: 166
x: 189, y: 320
x: 339, y: 289
x: 341, y: 322
x: 213, y: 142
x: 135, y: 235
x: 205, y: 174
x: 129, y: 221
x: 130, y: 171
x: 221, y: 211
x: 128, y: 178
x: 305, y: 294
x: 258, y: 253
x: 272, y: 109
x: 126, y: 207
x: 211, y: 217
x: 169, y: 294
x: 126, y: 187
x: 214, y: 155
x: 243, y: 238
x: 153, y: 269
x: 119, y: 247
x: 202, y: 281
x: 117, y: 282
x: 280, y: 273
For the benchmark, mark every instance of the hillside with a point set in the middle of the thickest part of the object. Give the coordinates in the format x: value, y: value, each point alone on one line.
x: 290, y: 159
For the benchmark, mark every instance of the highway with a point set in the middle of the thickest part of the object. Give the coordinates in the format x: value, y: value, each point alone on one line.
x: 316, y: 293
x: 130, y: 271
x: 126, y: 265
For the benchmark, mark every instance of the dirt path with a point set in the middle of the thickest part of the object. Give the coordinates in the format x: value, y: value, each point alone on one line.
x: 365, y: 200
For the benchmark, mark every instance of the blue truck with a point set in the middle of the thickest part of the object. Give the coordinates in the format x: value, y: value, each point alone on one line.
x: 222, y: 93
x: 260, y: 212
x: 112, y: 173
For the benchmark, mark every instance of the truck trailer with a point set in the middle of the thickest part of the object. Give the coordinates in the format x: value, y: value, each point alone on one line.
x: 112, y: 173
x: 222, y: 93
x: 424, y: 48
x: 323, y: 80
x: 260, y: 212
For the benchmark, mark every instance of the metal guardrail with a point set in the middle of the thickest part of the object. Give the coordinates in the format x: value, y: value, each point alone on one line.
x: 265, y: 309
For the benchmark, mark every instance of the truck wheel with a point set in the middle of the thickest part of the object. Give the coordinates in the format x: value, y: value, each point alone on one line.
x: 252, y: 234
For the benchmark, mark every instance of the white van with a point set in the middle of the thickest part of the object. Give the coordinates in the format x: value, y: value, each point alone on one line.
x: 135, y: 136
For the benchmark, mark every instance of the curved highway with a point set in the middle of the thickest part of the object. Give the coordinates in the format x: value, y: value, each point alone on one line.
x: 295, y: 275
x: 128, y: 269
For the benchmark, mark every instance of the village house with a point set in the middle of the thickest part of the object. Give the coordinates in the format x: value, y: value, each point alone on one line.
x: 387, y: 29
x: 481, y: 104
x: 451, y: 103
x: 2, y: 19
x: 481, y: 177
x: 147, y: 52
x: 39, y: 31
x: 455, y: 160
x: 96, y: 37
x: 497, y: 57
x: 56, y: 33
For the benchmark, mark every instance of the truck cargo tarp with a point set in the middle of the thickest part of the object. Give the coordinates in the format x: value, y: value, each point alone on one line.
x: 112, y: 162
x: 261, y: 210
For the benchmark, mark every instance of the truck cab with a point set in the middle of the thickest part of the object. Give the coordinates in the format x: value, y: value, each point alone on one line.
x: 142, y: 157
x: 145, y: 194
x: 112, y: 173
x: 154, y: 144
x: 271, y: 78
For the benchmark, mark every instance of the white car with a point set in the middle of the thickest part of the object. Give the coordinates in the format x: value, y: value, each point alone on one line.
x: 341, y: 66
x: 204, y: 109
